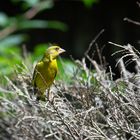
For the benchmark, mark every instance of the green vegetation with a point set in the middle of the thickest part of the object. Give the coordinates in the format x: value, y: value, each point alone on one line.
x: 85, y: 104
x: 89, y: 3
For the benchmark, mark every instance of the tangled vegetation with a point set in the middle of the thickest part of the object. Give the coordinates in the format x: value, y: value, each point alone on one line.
x: 92, y: 106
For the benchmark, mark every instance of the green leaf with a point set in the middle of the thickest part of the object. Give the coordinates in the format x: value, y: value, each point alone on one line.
x: 29, y: 24
x: 39, y: 51
x: 57, y: 25
x: 28, y: 3
x: 3, y: 19
x: 9, y: 57
x: 66, y: 69
x: 89, y: 3
x: 46, y: 4
x: 31, y: 2
x: 11, y: 40
x: 39, y: 5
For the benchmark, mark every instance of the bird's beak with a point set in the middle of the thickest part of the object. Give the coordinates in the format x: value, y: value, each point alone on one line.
x: 61, y: 50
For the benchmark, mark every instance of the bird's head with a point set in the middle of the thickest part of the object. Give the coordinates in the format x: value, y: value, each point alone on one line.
x: 53, y: 51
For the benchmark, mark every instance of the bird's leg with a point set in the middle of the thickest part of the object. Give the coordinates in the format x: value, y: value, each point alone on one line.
x: 48, y: 94
x: 40, y: 96
x: 54, y: 84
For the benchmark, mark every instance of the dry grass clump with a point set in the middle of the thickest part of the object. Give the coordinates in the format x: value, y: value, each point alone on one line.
x: 92, y: 107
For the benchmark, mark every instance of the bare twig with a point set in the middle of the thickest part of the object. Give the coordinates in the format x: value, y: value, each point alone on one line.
x: 132, y: 21
x: 93, y: 41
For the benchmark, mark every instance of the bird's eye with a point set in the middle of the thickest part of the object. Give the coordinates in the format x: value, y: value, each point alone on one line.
x: 56, y: 49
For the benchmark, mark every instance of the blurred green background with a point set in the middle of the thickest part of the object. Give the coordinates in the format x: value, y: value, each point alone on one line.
x: 28, y: 26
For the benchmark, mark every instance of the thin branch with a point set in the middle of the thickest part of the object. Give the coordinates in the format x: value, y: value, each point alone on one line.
x: 94, y: 40
x: 7, y: 31
x: 63, y: 121
x: 138, y: 3
x: 132, y: 21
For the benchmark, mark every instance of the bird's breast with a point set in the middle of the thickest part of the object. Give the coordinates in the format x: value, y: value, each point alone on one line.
x: 50, y: 71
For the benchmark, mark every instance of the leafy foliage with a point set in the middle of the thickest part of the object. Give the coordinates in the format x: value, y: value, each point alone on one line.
x: 11, y: 37
x: 81, y: 109
x: 8, y: 58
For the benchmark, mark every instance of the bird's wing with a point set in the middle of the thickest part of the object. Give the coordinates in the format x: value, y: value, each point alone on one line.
x: 35, y: 73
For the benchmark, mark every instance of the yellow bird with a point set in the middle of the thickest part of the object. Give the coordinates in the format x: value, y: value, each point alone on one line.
x: 45, y: 72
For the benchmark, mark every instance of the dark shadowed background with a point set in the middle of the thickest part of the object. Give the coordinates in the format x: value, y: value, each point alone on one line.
x: 84, y: 22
